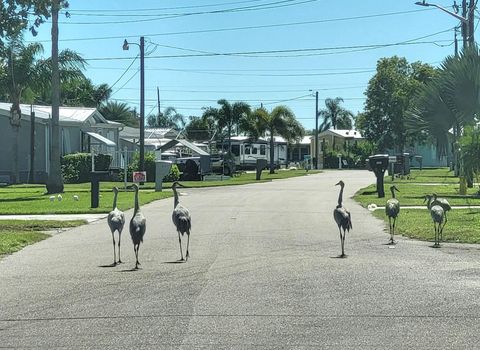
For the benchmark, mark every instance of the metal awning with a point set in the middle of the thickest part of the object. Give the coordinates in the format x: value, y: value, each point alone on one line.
x: 187, y: 144
x: 101, y: 138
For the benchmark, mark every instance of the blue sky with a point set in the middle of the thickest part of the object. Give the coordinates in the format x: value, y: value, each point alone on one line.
x: 96, y: 30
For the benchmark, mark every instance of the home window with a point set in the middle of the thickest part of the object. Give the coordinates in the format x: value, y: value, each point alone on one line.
x: 263, y: 150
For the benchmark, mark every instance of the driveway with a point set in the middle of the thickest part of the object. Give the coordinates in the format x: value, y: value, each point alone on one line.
x: 263, y: 273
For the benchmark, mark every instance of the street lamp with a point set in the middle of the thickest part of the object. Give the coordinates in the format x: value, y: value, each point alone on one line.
x: 142, y: 97
x: 426, y: 4
x: 467, y: 21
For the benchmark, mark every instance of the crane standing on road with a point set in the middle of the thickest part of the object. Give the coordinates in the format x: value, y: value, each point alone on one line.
x: 181, y: 219
x: 392, y: 209
x: 342, y: 217
x: 116, y: 221
x: 138, y: 226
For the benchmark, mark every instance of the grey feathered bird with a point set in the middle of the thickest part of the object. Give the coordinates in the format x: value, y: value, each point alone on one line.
x: 434, y: 200
x: 392, y: 209
x: 181, y: 219
x: 437, y: 213
x: 342, y: 217
x: 138, y: 226
x: 116, y: 221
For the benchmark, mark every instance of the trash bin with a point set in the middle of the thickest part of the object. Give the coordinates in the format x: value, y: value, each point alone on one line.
x: 379, y: 164
x: 261, y: 164
x: 162, y: 169
x: 419, y: 160
x: 95, y: 178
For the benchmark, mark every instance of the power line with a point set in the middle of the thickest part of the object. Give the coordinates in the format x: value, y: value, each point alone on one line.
x: 268, y: 6
x: 291, y: 52
x: 288, y: 24
x: 165, y: 8
x: 125, y: 72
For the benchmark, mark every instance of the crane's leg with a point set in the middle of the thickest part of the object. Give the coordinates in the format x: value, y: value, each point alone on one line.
x: 393, y: 231
x: 136, y: 255
x: 188, y: 241
x: 390, y: 228
x: 444, y: 223
x: 180, y: 243
x: 119, y: 237
x: 342, y: 242
x: 114, y: 254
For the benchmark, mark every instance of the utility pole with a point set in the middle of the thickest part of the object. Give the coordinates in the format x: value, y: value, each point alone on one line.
x: 471, y: 22
x: 456, y: 42
x: 316, y: 130
x: 464, y: 24
x: 158, y: 101
x: 142, y: 103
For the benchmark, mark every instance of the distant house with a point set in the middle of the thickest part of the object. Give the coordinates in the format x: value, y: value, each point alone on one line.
x: 333, y: 139
x: 154, y: 138
x: 81, y: 130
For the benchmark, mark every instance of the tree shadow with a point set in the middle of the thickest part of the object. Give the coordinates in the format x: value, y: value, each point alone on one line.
x: 339, y: 257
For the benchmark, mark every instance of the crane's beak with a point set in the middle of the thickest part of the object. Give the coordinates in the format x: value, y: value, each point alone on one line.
x: 338, y: 183
x: 396, y: 189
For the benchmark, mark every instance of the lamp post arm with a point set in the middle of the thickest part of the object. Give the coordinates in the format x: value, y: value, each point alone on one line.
x: 463, y: 19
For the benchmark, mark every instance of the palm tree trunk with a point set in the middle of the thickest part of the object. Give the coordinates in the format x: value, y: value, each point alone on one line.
x: 55, y: 181
x: 15, y: 174
x: 272, y: 153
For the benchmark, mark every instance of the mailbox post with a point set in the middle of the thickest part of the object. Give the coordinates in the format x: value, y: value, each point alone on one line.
x: 379, y: 164
x: 96, y: 177
x: 162, y: 169
x: 261, y: 164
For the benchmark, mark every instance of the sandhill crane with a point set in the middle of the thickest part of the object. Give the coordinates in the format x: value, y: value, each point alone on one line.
x: 52, y: 198
x: 445, y: 206
x: 342, y: 217
x: 437, y: 213
x: 181, y: 219
x: 59, y: 197
x: 392, y: 209
x: 137, y: 226
x: 116, y: 221
x: 434, y: 200
x: 76, y: 198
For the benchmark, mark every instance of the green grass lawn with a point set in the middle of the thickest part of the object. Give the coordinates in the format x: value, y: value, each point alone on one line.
x: 31, y: 199
x: 16, y: 234
x: 421, y: 182
x: 463, y: 224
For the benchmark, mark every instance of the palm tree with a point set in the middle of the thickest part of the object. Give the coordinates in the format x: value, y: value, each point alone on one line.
x: 280, y: 121
x: 449, y: 101
x: 169, y: 118
x: 119, y: 112
x: 335, y: 113
x: 227, y: 116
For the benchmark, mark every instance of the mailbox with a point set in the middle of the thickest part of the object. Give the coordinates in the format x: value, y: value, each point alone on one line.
x: 162, y: 169
x: 379, y: 164
x: 261, y: 164
x: 95, y: 178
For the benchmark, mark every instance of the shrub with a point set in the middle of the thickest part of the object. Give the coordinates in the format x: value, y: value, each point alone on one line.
x: 174, y: 174
x: 76, y: 167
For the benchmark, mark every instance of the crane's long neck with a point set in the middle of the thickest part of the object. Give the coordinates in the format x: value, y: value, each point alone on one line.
x: 176, y: 201
x: 136, y: 201
x: 115, y: 200
x: 393, y: 192
x: 340, y: 196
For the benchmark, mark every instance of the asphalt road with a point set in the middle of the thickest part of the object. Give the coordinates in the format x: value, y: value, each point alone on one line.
x: 263, y: 273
